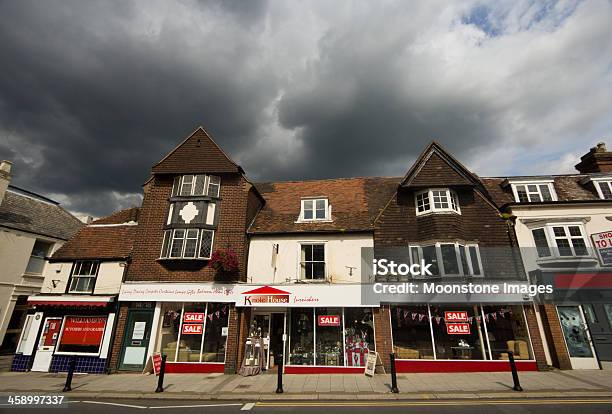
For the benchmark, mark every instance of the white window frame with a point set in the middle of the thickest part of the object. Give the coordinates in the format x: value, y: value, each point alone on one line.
x: 93, y: 276
x: 198, y: 239
x: 605, y: 181
x: 440, y: 262
x: 178, y: 185
x: 551, y: 239
x: 299, y: 261
x: 451, y: 198
x: 314, y: 210
x: 537, y: 183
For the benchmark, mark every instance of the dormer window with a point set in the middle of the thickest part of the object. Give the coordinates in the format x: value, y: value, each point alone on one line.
x: 533, y: 191
x: 604, y: 188
x: 196, y: 185
x: 315, y: 209
x: 437, y: 200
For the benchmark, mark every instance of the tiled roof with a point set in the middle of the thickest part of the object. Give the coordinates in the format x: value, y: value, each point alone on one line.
x: 567, y: 187
x: 197, y: 154
x: 25, y: 211
x: 355, y: 202
x: 110, y: 237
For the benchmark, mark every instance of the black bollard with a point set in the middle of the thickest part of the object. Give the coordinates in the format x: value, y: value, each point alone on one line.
x: 393, y: 374
x: 515, y: 378
x: 71, y: 367
x: 279, y: 383
x: 162, y: 371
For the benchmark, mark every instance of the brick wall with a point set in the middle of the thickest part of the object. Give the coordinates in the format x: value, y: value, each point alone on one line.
x: 113, y: 364
x: 554, y: 334
x: 243, y: 333
x: 536, y: 338
x: 382, y: 334
x: 231, y: 346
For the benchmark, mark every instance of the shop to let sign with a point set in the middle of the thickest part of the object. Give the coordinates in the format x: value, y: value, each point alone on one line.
x: 456, y: 316
x: 192, y: 329
x: 458, y: 328
x: 603, y: 244
x: 193, y: 317
x: 329, y: 320
x: 83, y: 330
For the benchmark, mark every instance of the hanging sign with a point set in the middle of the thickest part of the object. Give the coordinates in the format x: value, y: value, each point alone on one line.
x: 603, y: 244
x: 455, y: 316
x: 329, y: 320
x: 458, y: 328
x: 192, y: 329
x: 193, y: 317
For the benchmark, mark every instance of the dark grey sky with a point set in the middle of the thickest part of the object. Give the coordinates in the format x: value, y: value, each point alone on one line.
x: 93, y: 93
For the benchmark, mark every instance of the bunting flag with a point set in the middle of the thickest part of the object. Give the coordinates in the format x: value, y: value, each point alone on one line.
x: 494, y: 315
x: 217, y: 313
x: 438, y: 318
x: 487, y: 317
x: 405, y: 314
x: 478, y: 319
x: 421, y: 317
x: 224, y: 309
x: 414, y: 315
x: 210, y: 317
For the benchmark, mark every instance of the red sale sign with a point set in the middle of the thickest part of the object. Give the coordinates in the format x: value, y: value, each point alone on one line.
x: 192, y: 329
x: 193, y: 317
x: 86, y: 330
x: 458, y: 328
x: 456, y: 316
x: 329, y: 320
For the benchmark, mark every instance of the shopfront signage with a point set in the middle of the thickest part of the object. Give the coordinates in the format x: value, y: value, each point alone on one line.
x: 329, y: 320
x: 83, y: 331
x: 265, y: 295
x: 456, y: 316
x: 193, y: 317
x: 458, y: 328
x: 192, y: 329
x: 603, y: 244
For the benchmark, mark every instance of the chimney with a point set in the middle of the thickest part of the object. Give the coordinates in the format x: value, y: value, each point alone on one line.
x: 5, y: 177
x: 598, y: 159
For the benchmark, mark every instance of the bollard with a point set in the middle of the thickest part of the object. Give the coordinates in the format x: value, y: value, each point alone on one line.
x: 393, y: 374
x: 162, y: 371
x: 71, y: 367
x: 279, y: 384
x: 515, y: 378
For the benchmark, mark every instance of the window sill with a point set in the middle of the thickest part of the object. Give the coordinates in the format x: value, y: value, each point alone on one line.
x: 34, y: 275
x: 569, y: 261
x: 190, y: 259
x: 314, y: 221
x: 441, y: 212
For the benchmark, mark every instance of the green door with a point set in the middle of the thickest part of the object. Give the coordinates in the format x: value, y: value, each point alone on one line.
x: 136, y: 340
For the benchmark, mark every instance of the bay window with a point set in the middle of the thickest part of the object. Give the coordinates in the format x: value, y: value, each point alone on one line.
x: 187, y: 244
x: 196, y: 185
x: 449, y: 259
x: 560, y: 240
x: 436, y: 200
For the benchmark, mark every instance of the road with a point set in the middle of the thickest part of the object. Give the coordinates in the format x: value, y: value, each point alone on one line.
x: 501, y: 406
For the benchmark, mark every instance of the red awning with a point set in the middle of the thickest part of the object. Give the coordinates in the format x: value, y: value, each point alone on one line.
x: 69, y: 303
x: 42, y: 300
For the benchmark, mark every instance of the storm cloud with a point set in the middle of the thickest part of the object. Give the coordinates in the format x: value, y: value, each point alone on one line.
x: 93, y: 93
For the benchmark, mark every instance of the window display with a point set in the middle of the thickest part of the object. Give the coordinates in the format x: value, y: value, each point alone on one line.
x: 301, y: 340
x: 450, y: 345
x: 359, y: 335
x: 507, y: 331
x: 82, y: 334
x: 329, y: 349
x: 411, y: 332
x: 194, y: 332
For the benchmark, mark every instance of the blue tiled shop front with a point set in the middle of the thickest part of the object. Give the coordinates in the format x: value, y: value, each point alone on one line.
x: 86, y: 364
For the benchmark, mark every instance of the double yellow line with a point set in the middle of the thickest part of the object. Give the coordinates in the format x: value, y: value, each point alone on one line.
x: 384, y: 403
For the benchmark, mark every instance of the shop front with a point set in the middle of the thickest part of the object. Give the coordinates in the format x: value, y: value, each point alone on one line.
x: 460, y: 338
x: 60, y: 328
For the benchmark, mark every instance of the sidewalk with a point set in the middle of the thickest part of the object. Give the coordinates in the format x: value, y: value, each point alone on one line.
x: 313, y: 387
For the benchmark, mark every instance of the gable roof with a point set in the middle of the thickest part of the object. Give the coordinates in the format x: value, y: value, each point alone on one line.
x: 435, y: 166
x: 26, y: 211
x: 198, y: 153
x: 354, y: 204
x: 110, y: 237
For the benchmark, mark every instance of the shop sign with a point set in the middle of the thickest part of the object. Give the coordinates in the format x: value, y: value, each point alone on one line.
x: 603, y: 244
x: 192, y: 329
x: 456, y: 316
x: 265, y: 295
x: 458, y: 328
x: 157, y: 360
x: 329, y: 320
x: 83, y: 331
x: 193, y: 317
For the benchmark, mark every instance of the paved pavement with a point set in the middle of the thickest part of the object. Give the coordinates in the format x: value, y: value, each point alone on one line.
x: 319, y: 387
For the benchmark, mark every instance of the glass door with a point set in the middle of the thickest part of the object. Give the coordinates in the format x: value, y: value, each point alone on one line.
x: 577, y: 337
x: 136, y: 340
x: 260, y: 326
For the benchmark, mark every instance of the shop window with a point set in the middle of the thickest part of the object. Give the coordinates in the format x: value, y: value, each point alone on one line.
x: 23, y: 342
x: 411, y: 332
x: 329, y: 348
x: 301, y: 339
x: 83, y: 277
x: 196, y: 185
x: 82, y: 335
x: 437, y: 200
x: 36, y: 264
x: 457, y: 346
x: 195, y: 332
x: 358, y: 334
x: 312, y: 262
x: 215, y: 335
x: 507, y: 331
x: 608, y: 309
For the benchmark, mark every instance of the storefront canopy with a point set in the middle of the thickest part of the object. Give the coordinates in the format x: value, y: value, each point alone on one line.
x: 66, y: 300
